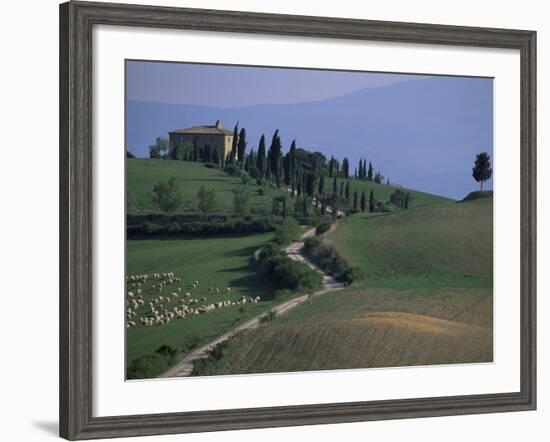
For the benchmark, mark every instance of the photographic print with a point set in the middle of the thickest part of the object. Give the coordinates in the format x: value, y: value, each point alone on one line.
x: 285, y: 219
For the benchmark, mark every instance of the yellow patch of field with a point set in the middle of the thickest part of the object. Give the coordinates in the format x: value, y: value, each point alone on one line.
x: 419, y: 323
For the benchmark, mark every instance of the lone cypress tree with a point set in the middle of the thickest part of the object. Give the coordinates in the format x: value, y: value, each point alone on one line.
x: 355, y: 200
x: 363, y: 201
x: 347, y: 190
x: 342, y: 189
x: 334, y: 186
x: 482, y: 169
x: 371, y: 201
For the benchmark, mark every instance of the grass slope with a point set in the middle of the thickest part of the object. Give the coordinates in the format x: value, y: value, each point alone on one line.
x: 218, y: 262
x: 450, y: 244
x: 428, y: 299
x: 382, y: 192
x: 369, y: 327
x: 143, y: 174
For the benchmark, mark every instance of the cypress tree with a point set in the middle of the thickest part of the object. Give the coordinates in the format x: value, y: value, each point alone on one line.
x: 322, y: 185
x: 241, y: 146
x: 293, y: 162
x: 268, y: 166
x: 233, y: 153
x: 331, y: 166
x: 363, y: 201
x: 371, y: 201
x: 275, y: 151
x: 334, y: 186
x: 347, y: 190
x: 342, y: 189
x: 370, y: 172
x: 345, y: 168
x: 355, y: 200
x: 261, y: 159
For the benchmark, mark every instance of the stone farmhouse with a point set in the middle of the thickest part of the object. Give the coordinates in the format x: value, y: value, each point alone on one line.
x: 204, y: 138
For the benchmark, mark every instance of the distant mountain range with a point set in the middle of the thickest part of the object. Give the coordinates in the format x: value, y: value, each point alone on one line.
x: 422, y: 134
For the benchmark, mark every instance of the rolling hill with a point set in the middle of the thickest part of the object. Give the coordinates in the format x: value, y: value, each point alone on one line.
x: 143, y: 174
x: 451, y: 242
x: 427, y: 299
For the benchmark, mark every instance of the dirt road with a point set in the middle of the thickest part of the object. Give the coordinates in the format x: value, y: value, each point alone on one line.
x: 184, y: 367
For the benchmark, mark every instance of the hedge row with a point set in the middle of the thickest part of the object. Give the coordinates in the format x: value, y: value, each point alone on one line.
x: 286, y: 273
x: 176, y: 228
x: 326, y: 257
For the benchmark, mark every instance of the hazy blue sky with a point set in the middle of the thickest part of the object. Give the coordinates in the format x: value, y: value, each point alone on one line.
x: 235, y: 86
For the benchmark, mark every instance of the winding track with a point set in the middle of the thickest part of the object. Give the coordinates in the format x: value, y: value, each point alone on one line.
x: 184, y: 367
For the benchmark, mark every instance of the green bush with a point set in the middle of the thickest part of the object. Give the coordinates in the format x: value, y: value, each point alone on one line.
x: 326, y: 257
x: 322, y: 227
x: 287, y: 231
x: 153, y: 364
x: 245, y: 178
x: 268, y: 317
x: 310, y: 243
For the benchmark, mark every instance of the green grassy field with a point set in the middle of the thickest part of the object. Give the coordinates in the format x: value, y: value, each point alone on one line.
x: 448, y: 245
x: 217, y: 262
x: 382, y: 192
x: 427, y: 300
x: 143, y: 174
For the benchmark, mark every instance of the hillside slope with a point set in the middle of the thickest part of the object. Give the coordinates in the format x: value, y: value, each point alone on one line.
x: 428, y: 299
x: 447, y: 241
x: 143, y: 174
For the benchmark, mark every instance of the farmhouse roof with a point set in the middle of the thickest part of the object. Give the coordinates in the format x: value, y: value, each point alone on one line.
x: 216, y: 129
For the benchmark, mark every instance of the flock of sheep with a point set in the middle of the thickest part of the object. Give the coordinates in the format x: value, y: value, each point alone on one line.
x: 165, y: 305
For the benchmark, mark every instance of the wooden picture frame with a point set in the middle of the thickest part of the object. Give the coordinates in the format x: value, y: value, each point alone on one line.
x: 76, y: 243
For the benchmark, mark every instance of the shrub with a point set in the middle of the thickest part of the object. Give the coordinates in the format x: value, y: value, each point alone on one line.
x: 322, y: 227
x: 231, y: 169
x: 310, y: 243
x: 190, y: 343
x: 287, y: 231
x: 245, y: 178
x: 166, y: 350
x: 261, y: 191
x: 286, y: 273
x: 326, y: 257
x: 268, y: 317
x: 167, y: 195
x: 153, y: 364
